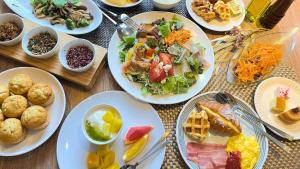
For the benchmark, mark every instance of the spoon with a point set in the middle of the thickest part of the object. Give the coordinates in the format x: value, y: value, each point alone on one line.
x: 224, y: 97
x: 122, y: 29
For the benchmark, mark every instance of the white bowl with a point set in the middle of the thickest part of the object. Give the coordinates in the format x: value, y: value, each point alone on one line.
x: 165, y: 5
x: 78, y: 42
x: 9, y: 17
x: 91, y: 111
x: 36, y: 31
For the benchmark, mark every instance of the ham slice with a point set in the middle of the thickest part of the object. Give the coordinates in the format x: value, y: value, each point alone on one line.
x: 207, y: 156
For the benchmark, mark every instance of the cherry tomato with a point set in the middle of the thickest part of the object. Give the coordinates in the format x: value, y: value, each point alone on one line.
x: 167, y: 59
x: 156, y: 74
x: 149, y: 52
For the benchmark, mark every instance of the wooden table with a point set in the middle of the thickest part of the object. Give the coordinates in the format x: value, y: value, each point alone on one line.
x: 44, y: 157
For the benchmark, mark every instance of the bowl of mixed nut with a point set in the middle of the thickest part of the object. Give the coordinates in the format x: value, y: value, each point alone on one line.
x: 11, y: 29
x: 41, y: 42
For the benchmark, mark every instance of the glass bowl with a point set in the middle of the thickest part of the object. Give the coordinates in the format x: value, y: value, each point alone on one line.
x: 287, y: 41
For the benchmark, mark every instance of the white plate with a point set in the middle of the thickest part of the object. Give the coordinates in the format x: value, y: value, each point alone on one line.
x: 215, y: 24
x: 133, y: 88
x: 125, y: 6
x: 24, y: 9
x: 72, y: 146
x: 247, y: 130
x: 265, y: 94
x: 56, y: 111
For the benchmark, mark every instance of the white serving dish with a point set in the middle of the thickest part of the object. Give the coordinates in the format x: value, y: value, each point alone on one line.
x: 9, y: 17
x: 118, y: 6
x: 265, y: 96
x: 24, y: 9
x: 165, y: 5
x: 133, y: 88
x: 36, y: 138
x: 217, y: 24
x: 248, y: 129
x: 72, y: 147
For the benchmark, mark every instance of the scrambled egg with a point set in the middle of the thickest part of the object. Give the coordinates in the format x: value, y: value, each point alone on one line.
x: 248, y: 147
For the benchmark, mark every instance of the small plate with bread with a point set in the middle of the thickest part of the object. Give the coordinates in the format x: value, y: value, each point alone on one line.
x: 32, y: 105
x: 217, y: 15
x: 210, y: 134
x: 277, y: 102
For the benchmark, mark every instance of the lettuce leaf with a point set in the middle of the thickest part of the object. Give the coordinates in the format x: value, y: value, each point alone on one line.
x: 59, y: 3
x: 173, y: 85
x: 164, y: 29
x: 127, y: 43
x: 35, y: 2
x: 122, y: 55
x: 195, y: 65
x: 176, y: 23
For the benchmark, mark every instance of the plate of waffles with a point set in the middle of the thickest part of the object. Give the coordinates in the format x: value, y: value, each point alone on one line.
x: 217, y: 15
x: 210, y: 134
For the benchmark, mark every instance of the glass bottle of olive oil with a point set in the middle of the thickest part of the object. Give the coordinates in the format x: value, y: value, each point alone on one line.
x: 256, y: 8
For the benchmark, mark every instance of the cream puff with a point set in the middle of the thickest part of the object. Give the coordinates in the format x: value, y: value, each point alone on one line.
x: 20, y: 84
x: 4, y: 93
x: 35, y: 117
x: 1, y: 116
x: 40, y: 94
x: 14, y: 106
x: 11, y: 131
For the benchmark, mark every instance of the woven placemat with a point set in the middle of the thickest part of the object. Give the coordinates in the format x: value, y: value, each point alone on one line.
x: 277, y: 159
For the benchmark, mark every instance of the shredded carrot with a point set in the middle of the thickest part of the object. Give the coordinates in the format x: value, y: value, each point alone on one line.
x: 258, y: 61
x: 180, y: 36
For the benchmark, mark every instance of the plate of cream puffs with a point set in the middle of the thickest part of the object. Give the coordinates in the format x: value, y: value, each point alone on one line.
x: 32, y: 105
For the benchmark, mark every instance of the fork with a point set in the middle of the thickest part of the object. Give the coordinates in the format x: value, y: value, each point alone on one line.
x: 161, y: 143
x: 123, y: 18
x: 228, y: 98
x: 277, y: 142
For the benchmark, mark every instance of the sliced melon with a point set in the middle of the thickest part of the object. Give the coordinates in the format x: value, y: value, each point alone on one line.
x: 135, y: 133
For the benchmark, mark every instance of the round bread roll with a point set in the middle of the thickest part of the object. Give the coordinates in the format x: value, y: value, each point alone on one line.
x: 20, y: 84
x: 35, y: 117
x: 1, y: 116
x: 40, y: 94
x: 14, y: 106
x: 4, y: 93
x: 11, y: 131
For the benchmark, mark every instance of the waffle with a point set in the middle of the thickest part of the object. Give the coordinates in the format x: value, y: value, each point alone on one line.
x: 223, y: 10
x: 204, y: 9
x: 197, y: 125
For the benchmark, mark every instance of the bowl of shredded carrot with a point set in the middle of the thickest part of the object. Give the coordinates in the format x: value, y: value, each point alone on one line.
x: 261, y: 57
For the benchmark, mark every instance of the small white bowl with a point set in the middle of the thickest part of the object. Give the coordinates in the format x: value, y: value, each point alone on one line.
x: 36, y: 31
x: 165, y: 5
x: 9, y: 17
x: 93, y: 110
x: 78, y: 42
